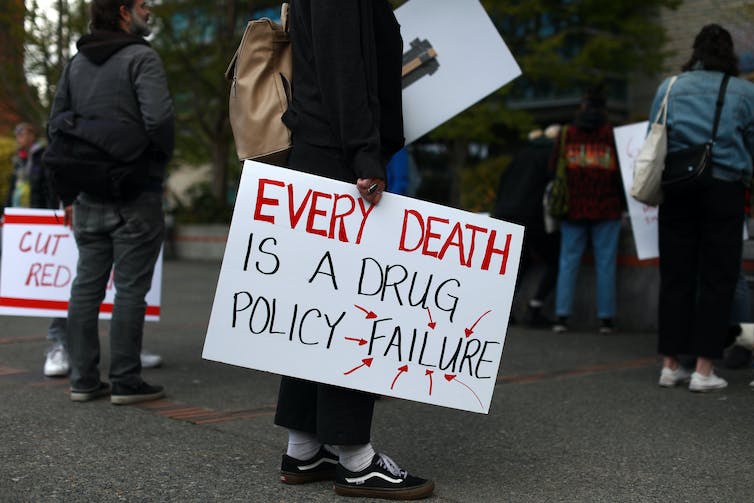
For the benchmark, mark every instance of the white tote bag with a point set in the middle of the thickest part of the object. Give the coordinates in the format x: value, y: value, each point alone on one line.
x: 650, y: 161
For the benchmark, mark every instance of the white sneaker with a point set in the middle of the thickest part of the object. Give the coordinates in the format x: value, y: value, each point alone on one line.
x: 746, y: 337
x: 704, y: 383
x: 670, y: 378
x: 150, y: 360
x: 56, y: 363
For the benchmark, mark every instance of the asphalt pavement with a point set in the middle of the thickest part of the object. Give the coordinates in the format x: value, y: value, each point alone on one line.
x: 575, y: 417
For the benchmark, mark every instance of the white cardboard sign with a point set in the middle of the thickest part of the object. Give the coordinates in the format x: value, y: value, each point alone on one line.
x: 407, y: 298
x: 471, y: 61
x: 628, y: 141
x: 39, y: 256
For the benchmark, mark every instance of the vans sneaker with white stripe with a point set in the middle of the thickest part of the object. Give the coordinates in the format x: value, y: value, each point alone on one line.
x: 320, y: 467
x: 383, y: 478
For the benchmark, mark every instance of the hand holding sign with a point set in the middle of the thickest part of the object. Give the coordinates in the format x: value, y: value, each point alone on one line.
x: 371, y: 189
x: 320, y: 285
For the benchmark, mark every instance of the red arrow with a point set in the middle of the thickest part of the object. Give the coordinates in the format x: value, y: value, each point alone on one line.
x: 470, y: 331
x: 451, y: 377
x: 360, y: 341
x: 429, y: 373
x: 365, y: 361
x: 431, y: 323
x: 370, y: 315
x: 400, y: 371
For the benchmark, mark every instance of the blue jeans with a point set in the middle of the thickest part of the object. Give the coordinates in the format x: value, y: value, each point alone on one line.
x: 56, y: 331
x: 125, y: 237
x: 574, y: 236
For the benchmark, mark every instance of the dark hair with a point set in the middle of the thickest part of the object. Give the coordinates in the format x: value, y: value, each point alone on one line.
x: 595, y: 97
x: 713, y: 50
x: 105, y: 14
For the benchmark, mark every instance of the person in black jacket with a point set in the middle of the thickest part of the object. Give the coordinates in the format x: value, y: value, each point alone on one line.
x: 519, y: 200
x: 30, y: 187
x: 346, y: 123
x: 116, y: 77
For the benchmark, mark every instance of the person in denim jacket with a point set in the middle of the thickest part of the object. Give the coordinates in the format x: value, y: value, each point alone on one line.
x: 700, y: 228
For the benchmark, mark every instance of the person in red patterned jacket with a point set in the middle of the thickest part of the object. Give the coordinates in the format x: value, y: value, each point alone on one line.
x: 595, y: 207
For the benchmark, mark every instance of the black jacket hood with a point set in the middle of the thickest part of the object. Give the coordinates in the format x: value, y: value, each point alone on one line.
x: 99, y: 45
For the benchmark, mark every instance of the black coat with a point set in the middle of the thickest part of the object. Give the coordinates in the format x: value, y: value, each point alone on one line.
x: 347, y: 58
x: 522, y: 185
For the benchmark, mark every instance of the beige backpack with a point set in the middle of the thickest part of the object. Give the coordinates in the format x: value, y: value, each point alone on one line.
x: 260, y: 74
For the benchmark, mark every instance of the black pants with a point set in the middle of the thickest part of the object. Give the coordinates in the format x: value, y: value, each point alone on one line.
x: 539, y: 246
x: 700, y: 235
x: 337, y: 416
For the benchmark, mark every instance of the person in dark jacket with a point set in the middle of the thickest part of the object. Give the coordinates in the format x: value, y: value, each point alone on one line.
x: 519, y: 200
x: 346, y: 123
x: 116, y: 76
x: 30, y: 187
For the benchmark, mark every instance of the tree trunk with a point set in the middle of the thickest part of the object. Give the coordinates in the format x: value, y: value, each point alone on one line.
x: 220, y: 151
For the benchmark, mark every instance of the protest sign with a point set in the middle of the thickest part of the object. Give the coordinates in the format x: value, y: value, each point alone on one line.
x: 628, y: 141
x: 453, y: 57
x: 39, y: 256
x: 407, y: 298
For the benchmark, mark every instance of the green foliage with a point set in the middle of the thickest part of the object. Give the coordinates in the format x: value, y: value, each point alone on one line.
x: 196, y: 40
x: 480, y: 183
x: 7, y: 150
x: 202, y: 207
x: 47, y: 38
x: 578, y: 41
x: 562, y: 46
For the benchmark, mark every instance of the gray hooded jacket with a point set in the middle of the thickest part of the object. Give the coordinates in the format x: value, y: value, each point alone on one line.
x: 121, y: 78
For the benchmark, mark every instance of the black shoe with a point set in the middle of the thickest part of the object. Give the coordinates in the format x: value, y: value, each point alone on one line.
x: 125, y: 395
x: 320, y: 467
x: 737, y: 357
x: 382, y: 479
x: 78, y: 395
x: 606, y: 326
x: 535, y: 318
x: 561, y: 326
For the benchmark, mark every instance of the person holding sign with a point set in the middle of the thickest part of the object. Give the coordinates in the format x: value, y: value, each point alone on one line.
x: 346, y: 123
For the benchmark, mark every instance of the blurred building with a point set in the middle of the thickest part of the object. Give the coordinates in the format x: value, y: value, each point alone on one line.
x: 681, y: 27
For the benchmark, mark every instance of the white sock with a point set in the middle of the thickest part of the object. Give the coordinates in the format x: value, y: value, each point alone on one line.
x: 355, y: 458
x: 302, y: 445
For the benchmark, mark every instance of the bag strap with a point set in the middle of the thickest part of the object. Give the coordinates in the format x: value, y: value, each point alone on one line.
x: 719, y: 105
x: 561, y: 166
x: 662, y: 113
x: 284, y: 16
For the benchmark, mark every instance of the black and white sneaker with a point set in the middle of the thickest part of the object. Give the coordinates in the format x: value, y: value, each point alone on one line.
x: 143, y: 392
x: 382, y: 479
x: 320, y: 467
x: 86, y: 395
